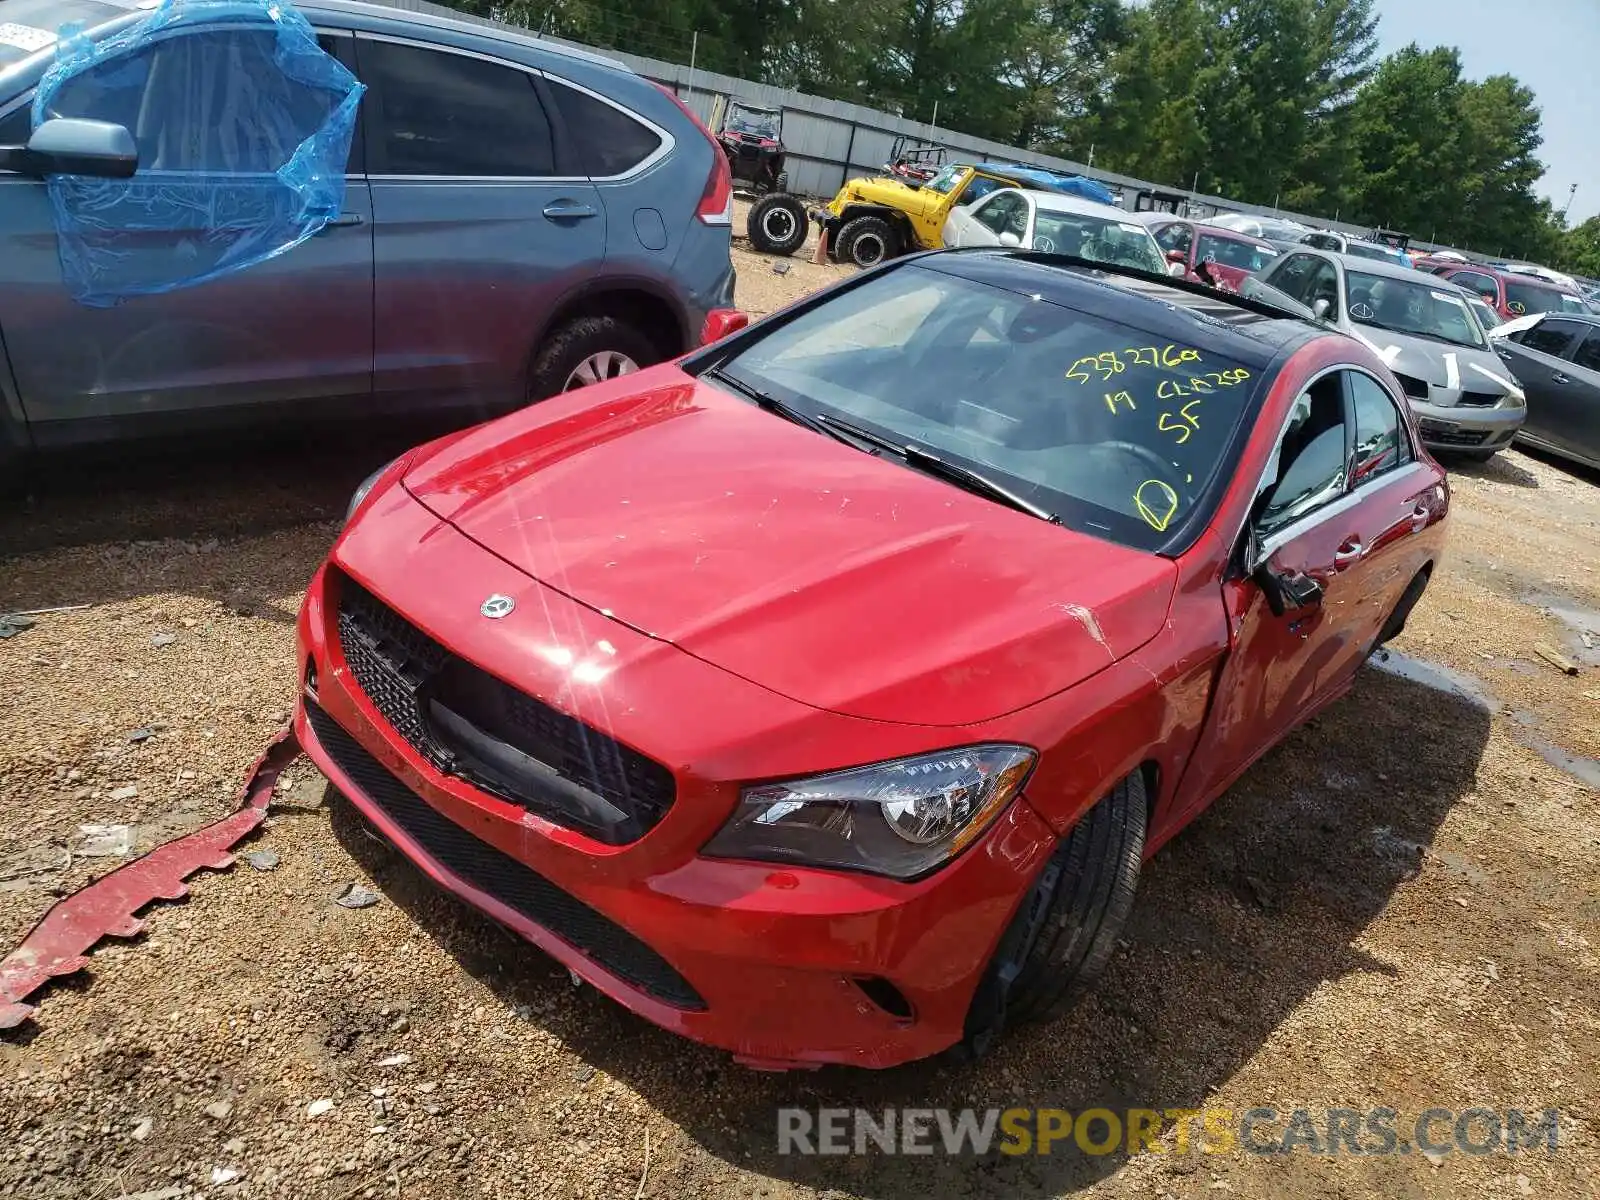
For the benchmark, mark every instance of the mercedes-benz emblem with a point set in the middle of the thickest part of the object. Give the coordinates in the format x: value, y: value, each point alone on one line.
x: 497, y: 606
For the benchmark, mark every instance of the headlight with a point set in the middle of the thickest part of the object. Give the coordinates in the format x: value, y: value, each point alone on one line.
x: 365, y: 486
x: 901, y: 818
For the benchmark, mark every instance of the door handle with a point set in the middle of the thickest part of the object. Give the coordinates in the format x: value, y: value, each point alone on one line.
x: 1348, y: 554
x: 1558, y: 377
x: 342, y: 221
x: 568, y: 210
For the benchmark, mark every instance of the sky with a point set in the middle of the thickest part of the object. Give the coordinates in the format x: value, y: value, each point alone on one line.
x: 1551, y: 46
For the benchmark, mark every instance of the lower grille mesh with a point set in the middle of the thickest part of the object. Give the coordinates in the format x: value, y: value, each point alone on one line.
x: 501, y: 876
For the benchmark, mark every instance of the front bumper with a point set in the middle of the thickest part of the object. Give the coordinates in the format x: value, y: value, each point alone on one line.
x: 761, y: 960
x: 1464, y: 427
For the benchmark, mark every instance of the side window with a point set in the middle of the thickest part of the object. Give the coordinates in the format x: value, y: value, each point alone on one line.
x: 1310, y: 459
x: 1176, y: 236
x: 449, y: 114
x: 1482, y: 284
x: 1381, y: 440
x: 1293, y: 275
x: 1323, y: 284
x: 1588, y: 354
x: 999, y: 214
x: 1551, y: 336
x: 606, y: 140
x: 977, y: 188
x: 1321, y: 241
x: 213, y: 100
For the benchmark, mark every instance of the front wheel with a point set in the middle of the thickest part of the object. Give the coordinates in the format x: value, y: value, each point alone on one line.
x: 776, y: 224
x: 588, y: 350
x: 1065, y: 930
x: 868, y: 241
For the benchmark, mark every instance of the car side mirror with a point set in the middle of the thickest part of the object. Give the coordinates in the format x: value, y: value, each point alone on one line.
x: 1176, y: 269
x: 72, y: 146
x: 720, y: 322
x: 1176, y: 256
x: 1010, y: 239
x: 1287, y: 591
x: 1321, y: 306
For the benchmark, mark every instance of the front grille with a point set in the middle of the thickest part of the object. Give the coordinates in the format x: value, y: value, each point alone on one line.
x: 1471, y: 399
x: 1441, y: 435
x: 489, y: 870
x: 469, y: 723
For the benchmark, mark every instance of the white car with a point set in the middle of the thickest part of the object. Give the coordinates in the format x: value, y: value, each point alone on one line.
x: 1056, y: 224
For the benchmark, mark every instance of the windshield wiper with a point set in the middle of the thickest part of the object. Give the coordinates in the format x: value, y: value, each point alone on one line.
x: 788, y: 412
x: 963, y: 477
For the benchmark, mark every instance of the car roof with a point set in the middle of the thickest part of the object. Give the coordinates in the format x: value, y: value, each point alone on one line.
x: 437, y: 16
x: 1066, y: 202
x: 1385, y: 267
x: 1226, y: 323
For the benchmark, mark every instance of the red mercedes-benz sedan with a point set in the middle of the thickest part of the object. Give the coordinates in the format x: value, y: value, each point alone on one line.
x: 819, y: 695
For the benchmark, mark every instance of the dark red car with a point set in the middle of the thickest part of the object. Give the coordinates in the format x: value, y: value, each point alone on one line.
x: 819, y: 695
x: 1210, y: 254
x: 1512, y: 294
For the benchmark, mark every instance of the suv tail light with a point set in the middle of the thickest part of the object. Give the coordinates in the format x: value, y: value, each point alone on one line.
x: 716, y: 202
x: 720, y: 322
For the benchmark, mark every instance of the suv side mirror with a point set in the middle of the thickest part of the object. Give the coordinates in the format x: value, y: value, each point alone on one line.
x: 1176, y: 256
x: 71, y: 146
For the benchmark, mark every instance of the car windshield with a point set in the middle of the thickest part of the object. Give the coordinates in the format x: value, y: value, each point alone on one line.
x: 1099, y: 238
x: 1116, y: 431
x: 1405, y: 307
x: 762, y: 122
x: 946, y: 179
x: 1231, y: 252
x: 1529, y: 298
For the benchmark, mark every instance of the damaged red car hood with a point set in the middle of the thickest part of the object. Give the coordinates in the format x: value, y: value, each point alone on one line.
x: 835, y: 578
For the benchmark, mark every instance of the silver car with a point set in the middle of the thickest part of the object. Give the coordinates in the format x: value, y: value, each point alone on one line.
x: 1466, y: 399
x: 1056, y: 224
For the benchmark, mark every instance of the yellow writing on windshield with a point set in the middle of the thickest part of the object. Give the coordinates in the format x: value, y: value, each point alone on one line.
x: 1115, y: 398
x: 1111, y: 362
x: 1185, y: 423
x: 1157, y: 503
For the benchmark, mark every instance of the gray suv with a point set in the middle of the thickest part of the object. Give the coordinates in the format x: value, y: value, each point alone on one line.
x: 519, y: 218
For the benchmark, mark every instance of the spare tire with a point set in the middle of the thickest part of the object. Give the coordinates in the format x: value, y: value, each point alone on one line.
x: 777, y: 224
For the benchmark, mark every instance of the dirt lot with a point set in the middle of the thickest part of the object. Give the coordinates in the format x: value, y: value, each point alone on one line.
x: 1399, y: 906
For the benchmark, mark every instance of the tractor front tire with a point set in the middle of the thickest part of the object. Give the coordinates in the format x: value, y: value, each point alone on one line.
x: 777, y: 224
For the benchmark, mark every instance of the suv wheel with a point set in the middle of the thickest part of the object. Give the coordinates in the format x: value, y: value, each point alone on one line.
x: 868, y: 241
x: 776, y: 224
x: 589, y: 350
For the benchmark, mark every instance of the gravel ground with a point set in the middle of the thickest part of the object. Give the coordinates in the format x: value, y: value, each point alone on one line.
x: 1398, y: 906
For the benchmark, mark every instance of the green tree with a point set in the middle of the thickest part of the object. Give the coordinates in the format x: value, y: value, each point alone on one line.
x: 1148, y: 121
x: 1407, y: 129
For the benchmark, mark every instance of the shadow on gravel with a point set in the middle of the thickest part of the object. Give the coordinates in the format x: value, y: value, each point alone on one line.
x: 202, y: 489
x: 1238, y: 921
x: 1499, y: 469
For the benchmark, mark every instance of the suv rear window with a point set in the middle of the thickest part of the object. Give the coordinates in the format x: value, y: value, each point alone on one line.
x: 1523, y: 298
x: 606, y: 140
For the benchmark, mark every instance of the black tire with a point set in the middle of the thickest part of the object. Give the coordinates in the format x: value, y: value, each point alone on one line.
x: 868, y: 241
x: 777, y: 224
x: 582, y: 340
x: 1065, y: 930
x: 1395, y: 625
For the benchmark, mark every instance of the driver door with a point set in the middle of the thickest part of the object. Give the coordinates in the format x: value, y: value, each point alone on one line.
x: 1275, y: 672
